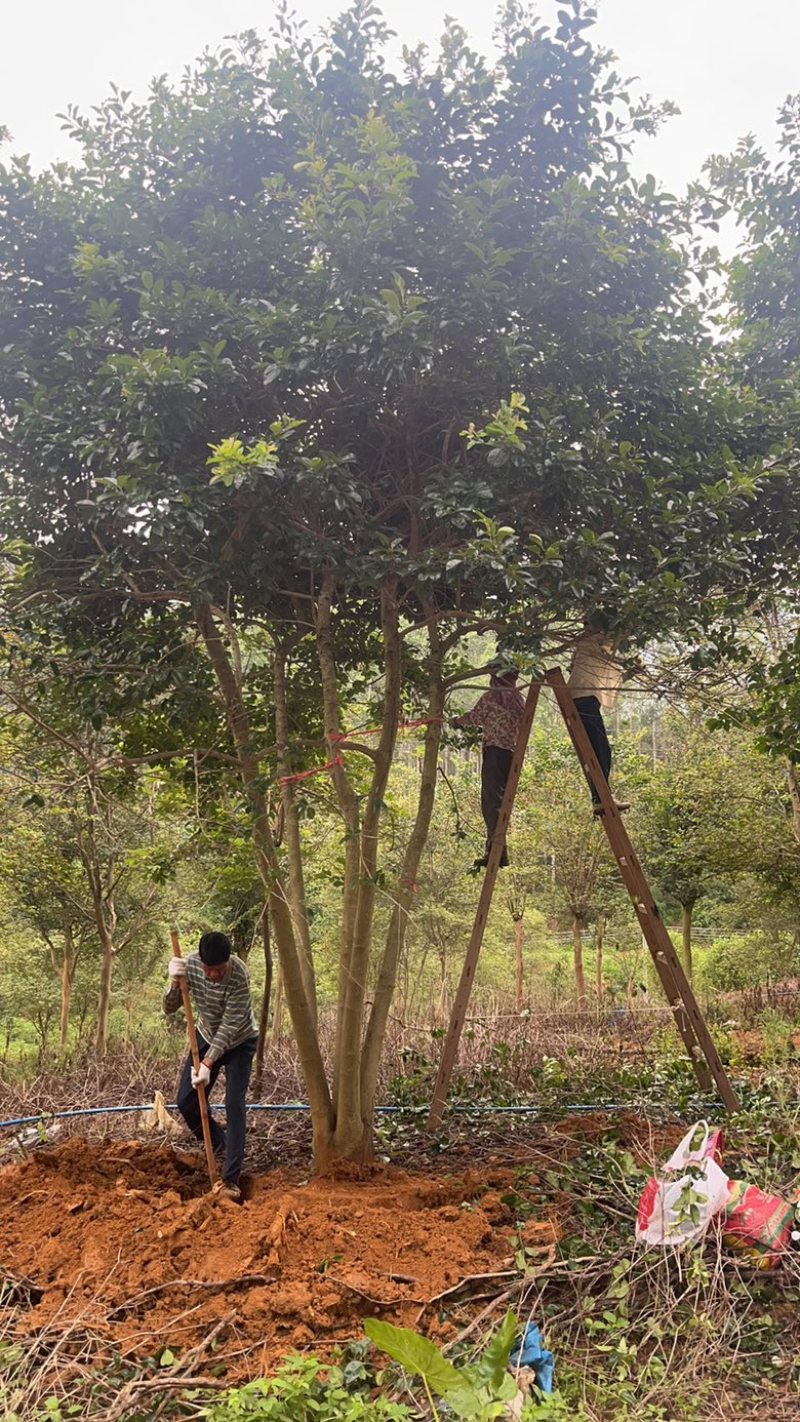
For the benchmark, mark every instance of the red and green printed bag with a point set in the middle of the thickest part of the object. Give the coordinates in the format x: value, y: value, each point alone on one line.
x: 758, y: 1223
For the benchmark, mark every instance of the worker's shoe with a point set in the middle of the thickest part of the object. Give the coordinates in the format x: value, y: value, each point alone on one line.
x: 231, y: 1191
x: 619, y: 805
x: 484, y: 860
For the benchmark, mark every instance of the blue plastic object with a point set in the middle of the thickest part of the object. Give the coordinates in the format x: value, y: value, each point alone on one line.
x: 529, y: 1353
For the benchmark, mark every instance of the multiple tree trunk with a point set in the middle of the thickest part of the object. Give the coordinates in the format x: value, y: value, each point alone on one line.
x: 342, y: 1107
x: 96, y: 841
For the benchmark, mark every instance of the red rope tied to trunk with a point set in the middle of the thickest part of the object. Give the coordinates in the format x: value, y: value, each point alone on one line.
x: 306, y: 774
x: 339, y: 737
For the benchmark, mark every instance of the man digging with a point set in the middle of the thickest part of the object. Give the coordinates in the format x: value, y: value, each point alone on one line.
x: 227, y: 1036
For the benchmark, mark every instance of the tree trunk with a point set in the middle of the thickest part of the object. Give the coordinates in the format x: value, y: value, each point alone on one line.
x: 277, y: 1014
x: 104, y: 998
x: 351, y: 816
x: 686, y: 934
x: 341, y: 1116
x: 599, y: 936
x: 67, y: 975
x: 519, y: 939
x: 407, y: 888
x: 42, y: 1024
x: 322, y: 1119
x: 291, y: 821
x: 577, y: 951
x: 263, y: 1020
x: 793, y: 778
x: 353, y: 1129
x: 105, y: 921
x: 100, y: 873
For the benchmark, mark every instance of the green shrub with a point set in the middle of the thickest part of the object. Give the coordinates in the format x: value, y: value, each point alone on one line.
x: 303, y: 1391
x: 746, y: 960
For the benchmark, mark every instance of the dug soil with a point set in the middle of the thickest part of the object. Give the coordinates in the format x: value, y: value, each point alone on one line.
x: 123, y: 1243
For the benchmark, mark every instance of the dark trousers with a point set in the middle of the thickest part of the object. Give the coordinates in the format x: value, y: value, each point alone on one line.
x: 230, y: 1142
x: 588, y: 708
x: 495, y: 766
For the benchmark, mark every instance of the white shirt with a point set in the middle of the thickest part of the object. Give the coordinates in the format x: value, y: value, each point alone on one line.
x: 595, y: 670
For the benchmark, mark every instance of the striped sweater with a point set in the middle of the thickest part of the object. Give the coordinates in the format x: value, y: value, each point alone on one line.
x: 224, y: 1010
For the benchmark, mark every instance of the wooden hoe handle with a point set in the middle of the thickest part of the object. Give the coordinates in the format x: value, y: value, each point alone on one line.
x: 201, y: 1091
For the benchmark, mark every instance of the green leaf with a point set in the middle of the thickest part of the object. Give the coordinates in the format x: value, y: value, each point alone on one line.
x: 493, y: 1362
x: 416, y: 1354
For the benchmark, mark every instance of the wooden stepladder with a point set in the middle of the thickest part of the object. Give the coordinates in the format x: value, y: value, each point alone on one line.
x: 688, y: 1018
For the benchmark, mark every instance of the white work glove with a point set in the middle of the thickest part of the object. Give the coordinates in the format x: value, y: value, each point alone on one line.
x: 202, y: 1076
x: 177, y: 967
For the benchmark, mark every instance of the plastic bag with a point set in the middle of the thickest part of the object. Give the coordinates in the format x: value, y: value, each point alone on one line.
x: 529, y: 1352
x: 758, y: 1224
x: 678, y: 1205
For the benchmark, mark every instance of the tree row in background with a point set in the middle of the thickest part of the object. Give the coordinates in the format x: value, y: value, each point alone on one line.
x: 711, y: 817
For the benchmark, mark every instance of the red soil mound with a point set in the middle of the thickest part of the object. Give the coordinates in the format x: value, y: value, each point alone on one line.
x: 124, y: 1242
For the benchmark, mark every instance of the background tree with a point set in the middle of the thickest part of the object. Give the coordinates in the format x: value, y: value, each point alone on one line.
x: 46, y: 894
x: 575, y: 873
x: 713, y: 813
x: 684, y: 822
x: 516, y: 897
x: 763, y: 351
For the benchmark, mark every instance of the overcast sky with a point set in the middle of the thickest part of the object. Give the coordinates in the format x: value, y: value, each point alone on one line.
x: 728, y: 64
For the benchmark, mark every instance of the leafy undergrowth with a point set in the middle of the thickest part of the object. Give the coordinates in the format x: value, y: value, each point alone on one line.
x: 702, y: 1337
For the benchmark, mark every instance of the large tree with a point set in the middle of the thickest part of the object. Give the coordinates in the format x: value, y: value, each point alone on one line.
x: 311, y: 368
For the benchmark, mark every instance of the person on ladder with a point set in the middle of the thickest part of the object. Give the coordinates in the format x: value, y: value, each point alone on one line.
x: 498, y: 714
x: 594, y: 682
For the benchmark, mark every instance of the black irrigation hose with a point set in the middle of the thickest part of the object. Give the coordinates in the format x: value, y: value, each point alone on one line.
x: 45, y: 1116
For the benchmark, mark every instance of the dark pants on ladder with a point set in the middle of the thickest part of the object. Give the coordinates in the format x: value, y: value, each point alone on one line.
x: 495, y: 766
x: 588, y: 708
x: 230, y: 1142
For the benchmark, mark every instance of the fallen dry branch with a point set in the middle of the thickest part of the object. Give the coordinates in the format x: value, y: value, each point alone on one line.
x: 213, y: 1286
x: 517, y: 1287
x: 370, y: 1298
x: 463, y: 1284
x: 178, y: 1375
x: 16, y: 1289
